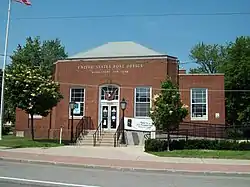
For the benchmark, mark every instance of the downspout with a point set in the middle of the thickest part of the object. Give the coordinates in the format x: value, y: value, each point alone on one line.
x: 178, y: 68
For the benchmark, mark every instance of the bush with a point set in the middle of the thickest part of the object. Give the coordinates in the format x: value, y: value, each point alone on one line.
x: 156, y: 145
x: 6, y: 130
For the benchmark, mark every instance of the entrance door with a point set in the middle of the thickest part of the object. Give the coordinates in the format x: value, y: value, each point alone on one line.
x: 109, y: 116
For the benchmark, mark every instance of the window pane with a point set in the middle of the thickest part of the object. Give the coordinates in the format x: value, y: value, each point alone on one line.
x: 143, y: 94
x: 199, y: 95
x: 199, y: 110
x: 142, y: 109
x: 77, y: 94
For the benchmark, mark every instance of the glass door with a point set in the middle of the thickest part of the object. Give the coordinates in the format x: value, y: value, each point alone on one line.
x: 109, y: 117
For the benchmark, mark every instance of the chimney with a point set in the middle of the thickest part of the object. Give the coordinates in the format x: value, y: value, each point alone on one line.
x: 182, y: 71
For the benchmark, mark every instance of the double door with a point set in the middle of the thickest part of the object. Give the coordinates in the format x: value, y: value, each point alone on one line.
x: 109, y: 116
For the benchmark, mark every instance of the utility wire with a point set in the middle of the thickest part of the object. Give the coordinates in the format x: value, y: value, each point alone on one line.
x: 158, y: 89
x: 184, y: 62
x: 132, y: 15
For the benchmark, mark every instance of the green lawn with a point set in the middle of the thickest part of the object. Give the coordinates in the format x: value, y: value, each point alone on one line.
x: 205, y: 154
x: 17, y: 142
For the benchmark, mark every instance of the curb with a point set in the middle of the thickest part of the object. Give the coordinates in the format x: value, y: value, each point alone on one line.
x: 124, y: 169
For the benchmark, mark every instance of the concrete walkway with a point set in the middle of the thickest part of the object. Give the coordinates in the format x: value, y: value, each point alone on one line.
x: 123, y: 157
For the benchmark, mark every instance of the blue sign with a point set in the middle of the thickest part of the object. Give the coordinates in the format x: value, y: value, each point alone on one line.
x: 77, y: 108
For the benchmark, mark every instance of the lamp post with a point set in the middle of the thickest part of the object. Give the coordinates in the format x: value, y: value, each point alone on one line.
x: 72, y: 107
x: 123, y: 104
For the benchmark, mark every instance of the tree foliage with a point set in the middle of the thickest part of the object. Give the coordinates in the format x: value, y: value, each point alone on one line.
x: 237, y: 77
x: 209, y: 57
x: 39, y: 53
x: 232, y: 59
x: 31, y: 91
x: 35, y: 54
x: 168, y: 110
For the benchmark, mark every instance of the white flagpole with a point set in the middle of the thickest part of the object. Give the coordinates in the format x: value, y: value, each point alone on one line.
x: 3, y: 68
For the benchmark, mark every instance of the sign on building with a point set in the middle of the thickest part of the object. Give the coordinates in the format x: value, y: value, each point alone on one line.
x: 137, y: 124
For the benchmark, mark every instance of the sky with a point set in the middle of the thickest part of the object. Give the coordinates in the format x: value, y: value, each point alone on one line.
x: 169, y: 33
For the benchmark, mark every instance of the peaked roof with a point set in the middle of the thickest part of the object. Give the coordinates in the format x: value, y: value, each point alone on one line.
x: 117, y: 49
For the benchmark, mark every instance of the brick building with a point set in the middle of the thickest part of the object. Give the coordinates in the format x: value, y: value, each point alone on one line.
x: 98, y: 79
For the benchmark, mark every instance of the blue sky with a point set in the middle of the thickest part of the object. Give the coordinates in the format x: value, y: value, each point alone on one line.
x: 174, y: 35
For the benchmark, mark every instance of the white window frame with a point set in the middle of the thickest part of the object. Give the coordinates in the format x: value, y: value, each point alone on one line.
x: 70, y: 91
x: 203, y: 118
x: 150, y: 106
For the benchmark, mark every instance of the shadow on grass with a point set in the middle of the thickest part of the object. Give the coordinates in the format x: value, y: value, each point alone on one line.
x: 49, y: 141
x: 12, y: 142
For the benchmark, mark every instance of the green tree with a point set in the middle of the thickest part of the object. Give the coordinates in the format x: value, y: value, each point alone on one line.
x: 208, y: 57
x: 34, y: 53
x: 233, y: 60
x: 39, y: 53
x: 31, y: 91
x: 168, y: 110
x: 237, y: 79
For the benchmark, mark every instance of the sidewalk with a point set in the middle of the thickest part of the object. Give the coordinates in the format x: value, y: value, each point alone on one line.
x: 122, y: 158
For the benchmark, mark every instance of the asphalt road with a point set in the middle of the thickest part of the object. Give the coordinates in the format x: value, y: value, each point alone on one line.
x: 32, y: 175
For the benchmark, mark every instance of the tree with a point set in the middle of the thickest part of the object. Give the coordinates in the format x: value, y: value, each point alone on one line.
x: 34, y: 53
x: 233, y: 60
x: 209, y: 57
x: 168, y: 110
x: 237, y: 77
x: 31, y: 91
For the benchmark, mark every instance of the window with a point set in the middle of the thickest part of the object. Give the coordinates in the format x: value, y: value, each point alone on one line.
x: 109, y: 92
x: 78, y: 96
x: 142, y: 101
x: 199, y: 106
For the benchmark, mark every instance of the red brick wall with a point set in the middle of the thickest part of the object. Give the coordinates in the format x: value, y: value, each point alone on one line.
x: 216, y: 96
x: 132, y: 73
x: 146, y: 72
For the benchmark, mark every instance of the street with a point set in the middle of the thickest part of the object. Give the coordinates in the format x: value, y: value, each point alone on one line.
x: 27, y: 175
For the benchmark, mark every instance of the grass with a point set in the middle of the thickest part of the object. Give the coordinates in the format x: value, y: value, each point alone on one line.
x: 11, y: 141
x: 205, y: 154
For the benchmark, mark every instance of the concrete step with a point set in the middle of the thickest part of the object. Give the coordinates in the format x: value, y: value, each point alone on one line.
x: 108, y: 144
x: 108, y: 135
x: 107, y: 139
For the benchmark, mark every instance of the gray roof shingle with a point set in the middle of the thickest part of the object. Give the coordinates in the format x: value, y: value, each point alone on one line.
x: 117, y: 49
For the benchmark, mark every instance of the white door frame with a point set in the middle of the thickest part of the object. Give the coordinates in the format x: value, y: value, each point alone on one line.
x: 109, y: 104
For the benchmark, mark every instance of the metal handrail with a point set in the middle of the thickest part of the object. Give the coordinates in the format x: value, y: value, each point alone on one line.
x: 82, y: 126
x: 98, y: 133
x: 118, y: 133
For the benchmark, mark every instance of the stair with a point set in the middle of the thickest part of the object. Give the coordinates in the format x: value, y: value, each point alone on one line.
x: 107, y: 139
x: 86, y: 139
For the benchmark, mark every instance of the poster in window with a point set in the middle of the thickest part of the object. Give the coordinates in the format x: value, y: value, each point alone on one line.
x: 77, y: 109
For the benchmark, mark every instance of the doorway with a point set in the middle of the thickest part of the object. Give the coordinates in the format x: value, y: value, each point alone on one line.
x: 109, y: 116
x: 109, y: 107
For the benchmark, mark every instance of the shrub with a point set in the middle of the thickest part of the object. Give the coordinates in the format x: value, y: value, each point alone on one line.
x: 6, y: 130
x: 156, y: 145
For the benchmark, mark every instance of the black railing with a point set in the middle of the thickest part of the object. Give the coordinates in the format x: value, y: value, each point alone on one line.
x: 205, y: 131
x: 118, y: 133
x: 81, y: 128
x: 98, y: 133
x: 147, y: 136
